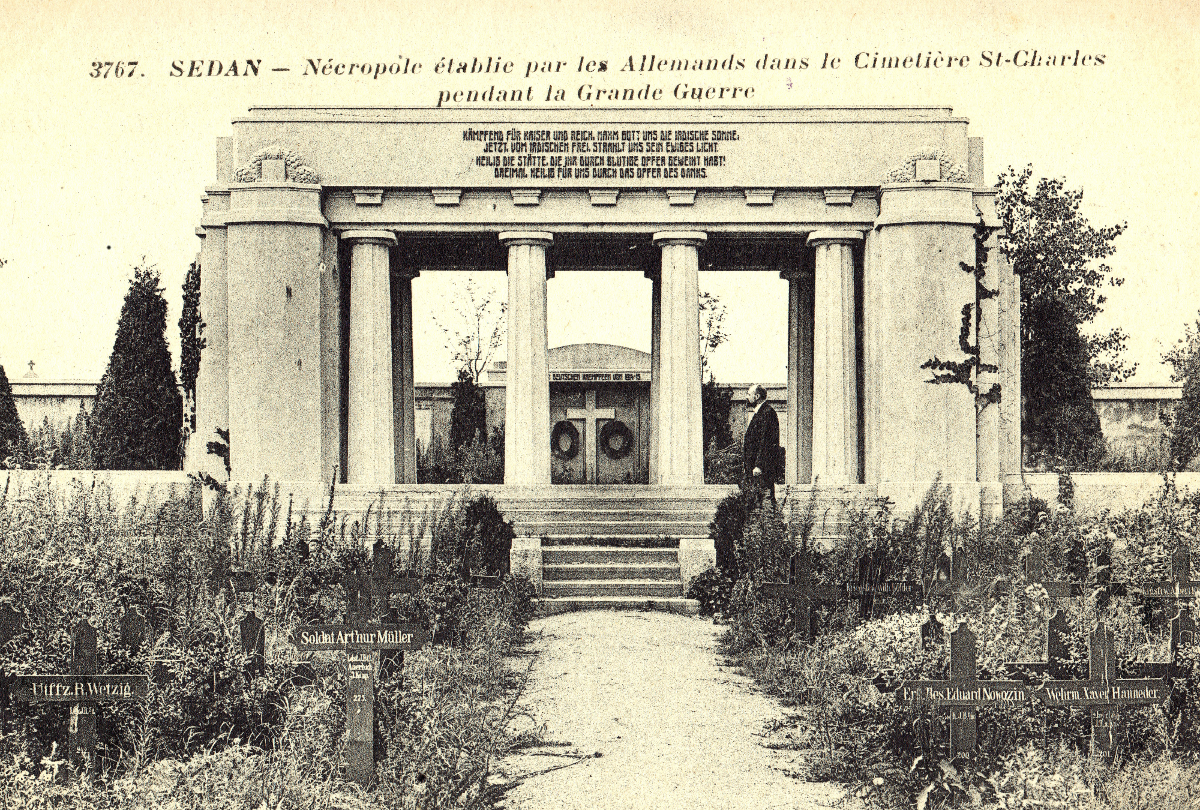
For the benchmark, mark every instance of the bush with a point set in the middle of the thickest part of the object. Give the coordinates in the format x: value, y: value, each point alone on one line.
x: 14, y: 442
x: 713, y: 590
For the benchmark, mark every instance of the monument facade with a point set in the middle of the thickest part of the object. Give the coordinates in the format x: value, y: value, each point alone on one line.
x: 879, y: 218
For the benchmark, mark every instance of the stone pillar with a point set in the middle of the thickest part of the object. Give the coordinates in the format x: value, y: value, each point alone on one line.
x: 527, y: 387
x: 677, y: 419
x: 655, y: 356
x: 372, y: 450
x: 403, y: 396
x: 922, y: 432
x: 799, y: 423
x: 835, y: 373
x: 212, y: 379
x: 276, y: 377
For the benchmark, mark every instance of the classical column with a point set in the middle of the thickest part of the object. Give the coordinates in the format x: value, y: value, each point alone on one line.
x: 799, y: 426
x: 655, y: 355
x: 677, y: 419
x: 372, y: 448
x: 835, y: 388
x: 403, y: 395
x: 527, y: 387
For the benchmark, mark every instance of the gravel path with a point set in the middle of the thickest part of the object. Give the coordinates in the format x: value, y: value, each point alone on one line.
x: 640, y: 712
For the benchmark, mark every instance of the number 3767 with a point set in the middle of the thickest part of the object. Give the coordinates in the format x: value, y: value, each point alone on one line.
x: 116, y: 70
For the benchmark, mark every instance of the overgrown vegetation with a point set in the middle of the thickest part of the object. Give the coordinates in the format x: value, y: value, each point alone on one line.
x: 215, y: 732
x: 14, y: 441
x: 1027, y: 756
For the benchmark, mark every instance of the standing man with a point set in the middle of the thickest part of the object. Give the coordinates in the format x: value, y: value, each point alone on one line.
x: 760, y: 447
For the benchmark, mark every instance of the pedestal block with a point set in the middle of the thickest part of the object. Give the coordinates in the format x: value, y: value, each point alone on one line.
x: 275, y: 268
x: 916, y: 290
x: 527, y: 384
x: 676, y: 420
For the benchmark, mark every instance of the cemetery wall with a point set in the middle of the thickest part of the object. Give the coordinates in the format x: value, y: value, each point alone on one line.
x: 1112, y: 491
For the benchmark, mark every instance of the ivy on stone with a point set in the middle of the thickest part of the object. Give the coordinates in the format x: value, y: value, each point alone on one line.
x: 965, y: 372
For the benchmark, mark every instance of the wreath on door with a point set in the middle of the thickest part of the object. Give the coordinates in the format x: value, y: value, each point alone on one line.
x: 616, y: 439
x: 564, y: 440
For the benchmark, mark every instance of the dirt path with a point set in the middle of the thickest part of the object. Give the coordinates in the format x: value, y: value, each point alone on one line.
x: 641, y: 713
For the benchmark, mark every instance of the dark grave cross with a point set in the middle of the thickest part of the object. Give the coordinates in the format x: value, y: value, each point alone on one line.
x: 1180, y: 587
x: 359, y: 638
x: 962, y: 694
x: 803, y: 593
x: 1035, y: 574
x: 12, y: 624
x: 870, y: 583
x: 1058, y: 652
x: 949, y: 580
x: 83, y: 688
x: 1102, y: 694
x: 385, y: 583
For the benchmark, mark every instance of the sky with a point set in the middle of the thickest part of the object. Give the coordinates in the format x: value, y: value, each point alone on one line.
x: 102, y: 174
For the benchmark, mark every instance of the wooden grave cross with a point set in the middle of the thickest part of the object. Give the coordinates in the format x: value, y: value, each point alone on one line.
x: 1035, y: 574
x: 1180, y: 587
x: 359, y: 637
x: 83, y: 688
x: 251, y: 629
x: 1102, y: 693
x: 949, y: 580
x: 962, y: 694
x: 803, y: 593
x: 12, y: 624
x: 869, y: 583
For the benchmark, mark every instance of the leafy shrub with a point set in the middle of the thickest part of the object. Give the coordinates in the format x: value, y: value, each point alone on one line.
x: 712, y: 589
x: 726, y: 529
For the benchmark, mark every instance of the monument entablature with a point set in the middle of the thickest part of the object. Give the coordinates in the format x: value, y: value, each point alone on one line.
x: 321, y: 218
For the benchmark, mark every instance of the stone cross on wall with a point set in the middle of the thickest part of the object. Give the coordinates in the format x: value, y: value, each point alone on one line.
x: 591, y: 415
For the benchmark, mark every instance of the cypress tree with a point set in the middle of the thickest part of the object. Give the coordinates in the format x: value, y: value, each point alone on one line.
x: 139, y: 412
x: 468, y: 417
x: 14, y: 441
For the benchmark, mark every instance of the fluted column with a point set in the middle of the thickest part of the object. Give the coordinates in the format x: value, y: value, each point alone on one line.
x: 835, y: 388
x: 403, y: 395
x: 677, y: 419
x: 655, y: 354
x: 799, y: 427
x: 372, y: 447
x: 527, y: 386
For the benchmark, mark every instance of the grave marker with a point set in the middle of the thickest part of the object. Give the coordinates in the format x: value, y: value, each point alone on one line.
x: 12, y: 624
x: 1102, y: 693
x: 1180, y: 587
x: 1035, y: 574
x: 802, y: 592
x: 360, y: 638
x: 962, y: 694
x: 83, y: 688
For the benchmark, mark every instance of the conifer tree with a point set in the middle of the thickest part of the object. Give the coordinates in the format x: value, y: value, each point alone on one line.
x: 139, y: 412
x: 14, y: 441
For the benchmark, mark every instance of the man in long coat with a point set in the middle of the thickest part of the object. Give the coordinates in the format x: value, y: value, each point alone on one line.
x: 760, y: 446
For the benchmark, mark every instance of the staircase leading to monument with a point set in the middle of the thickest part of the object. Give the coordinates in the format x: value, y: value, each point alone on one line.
x: 614, y: 547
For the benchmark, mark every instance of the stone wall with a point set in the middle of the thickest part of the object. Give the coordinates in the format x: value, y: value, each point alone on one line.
x: 1095, y: 492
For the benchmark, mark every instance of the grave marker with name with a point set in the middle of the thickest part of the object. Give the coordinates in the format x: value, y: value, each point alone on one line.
x: 803, y: 593
x: 366, y: 596
x: 83, y: 688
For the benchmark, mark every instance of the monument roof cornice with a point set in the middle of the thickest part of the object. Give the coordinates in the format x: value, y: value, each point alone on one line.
x: 634, y: 115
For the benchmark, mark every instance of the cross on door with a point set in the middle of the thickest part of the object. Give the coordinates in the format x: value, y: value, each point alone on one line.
x: 590, y: 415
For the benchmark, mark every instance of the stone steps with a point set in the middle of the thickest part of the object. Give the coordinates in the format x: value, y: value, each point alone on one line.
x: 613, y: 587
x: 566, y: 604
x: 607, y: 555
x: 596, y: 528
x: 582, y: 572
